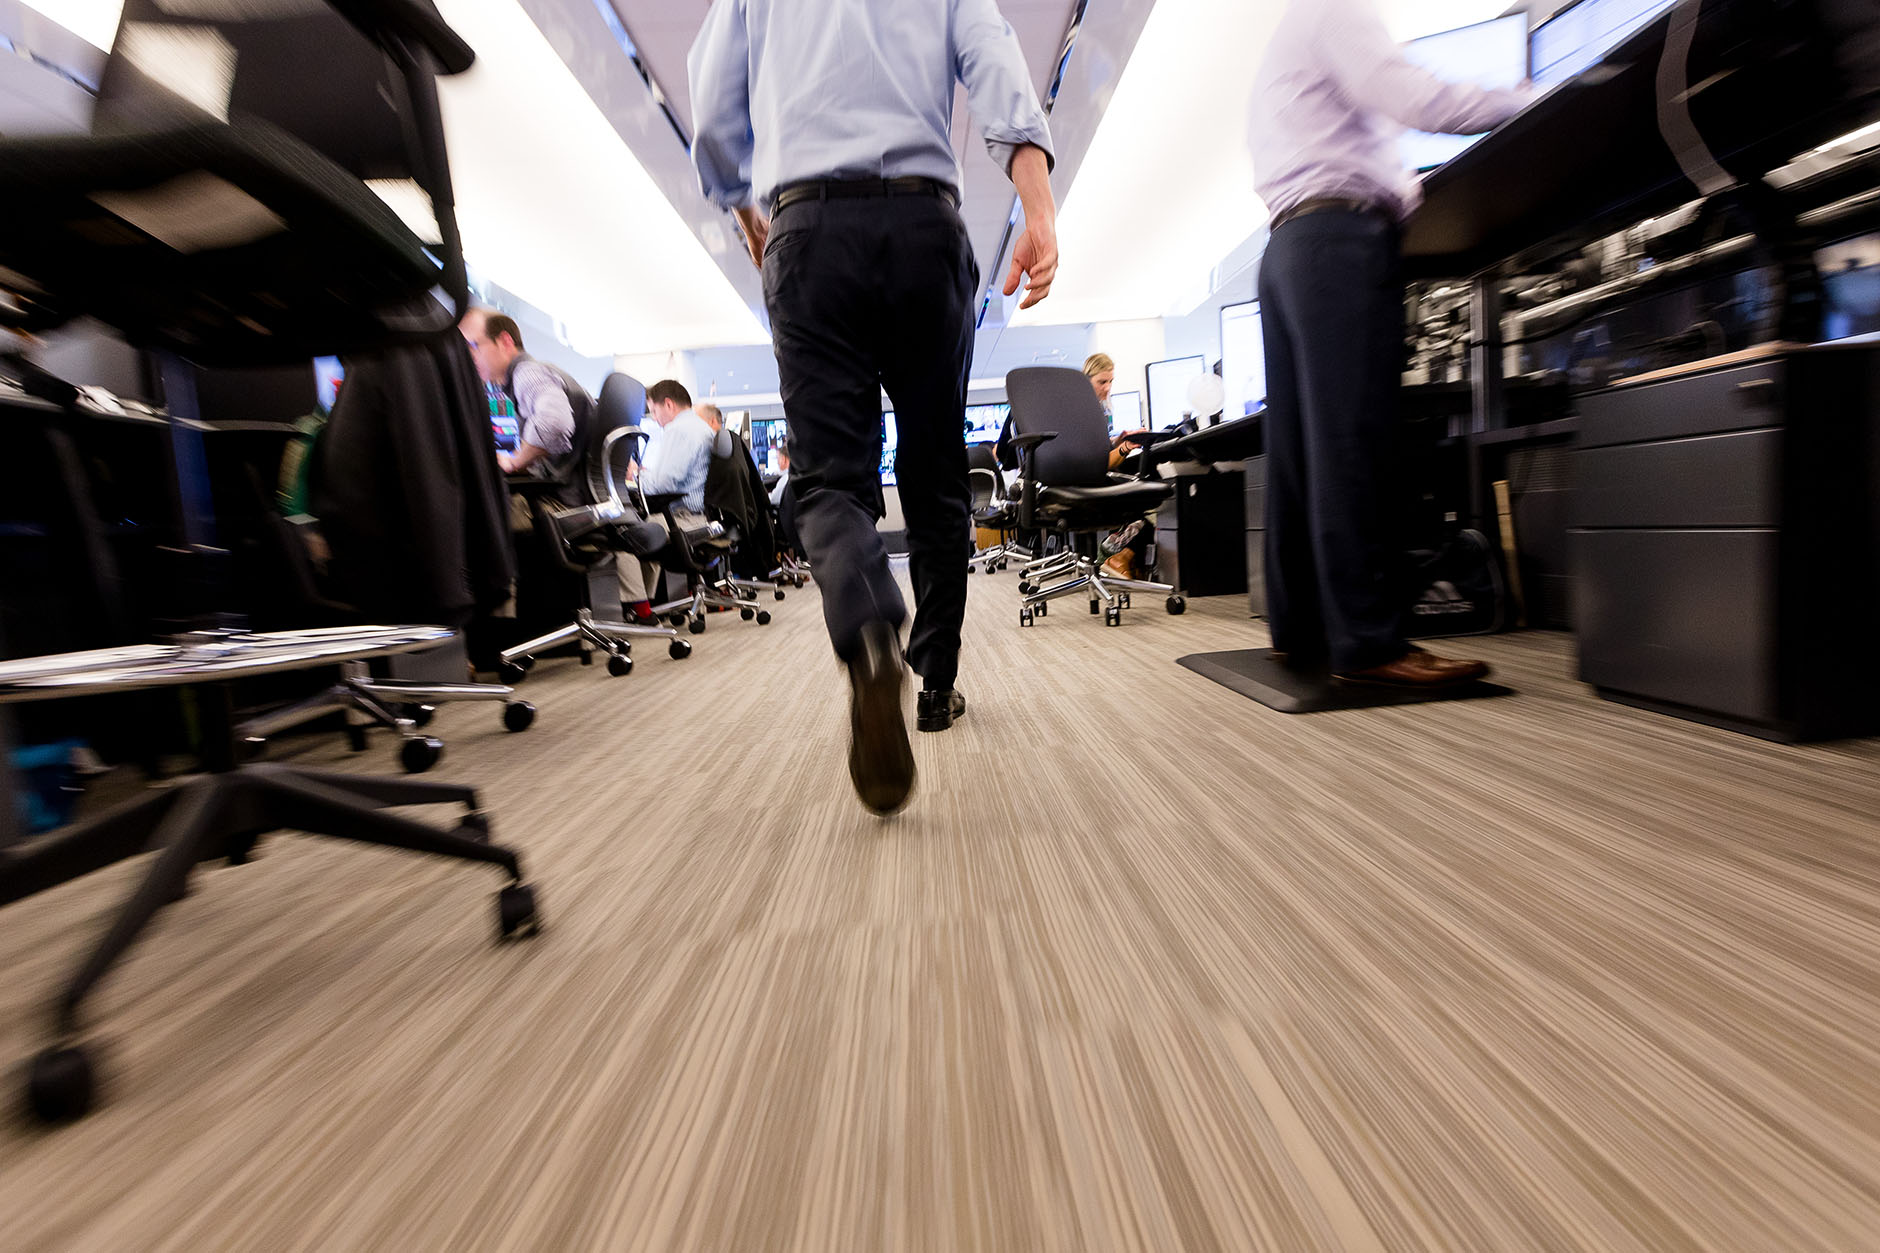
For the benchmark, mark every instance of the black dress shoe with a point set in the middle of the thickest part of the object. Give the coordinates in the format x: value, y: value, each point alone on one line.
x: 881, y: 761
x: 940, y: 709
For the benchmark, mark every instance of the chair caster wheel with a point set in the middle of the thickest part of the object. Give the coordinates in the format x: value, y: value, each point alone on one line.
x: 1024, y: 617
x: 1044, y: 608
x: 677, y: 619
x: 1176, y: 604
x: 679, y: 650
x: 696, y: 626
x: 518, y: 715
x: 515, y: 912
x: 973, y: 569
x: 511, y: 672
x: 619, y: 665
x: 1113, y: 617
x: 1025, y: 589
x: 1122, y: 602
x: 587, y: 656
x: 420, y: 753
x: 763, y: 617
x: 60, y: 1085
x: 420, y: 715
x: 356, y: 738
x: 1096, y: 606
x: 778, y: 594
x: 747, y: 614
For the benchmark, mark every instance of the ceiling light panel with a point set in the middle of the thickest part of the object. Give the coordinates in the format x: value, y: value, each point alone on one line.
x: 554, y: 206
x: 1165, y: 192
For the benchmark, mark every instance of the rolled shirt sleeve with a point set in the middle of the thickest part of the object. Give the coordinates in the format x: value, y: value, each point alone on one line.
x: 719, y: 70
x: 1371, y: 68
x: 989, y: 61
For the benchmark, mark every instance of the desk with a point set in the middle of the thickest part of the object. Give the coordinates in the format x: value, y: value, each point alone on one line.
x: 1726, y: 542
x: 1200, y: 533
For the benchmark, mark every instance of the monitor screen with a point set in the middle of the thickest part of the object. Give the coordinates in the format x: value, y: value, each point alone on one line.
x: 507, y: 431
x: 1243, y: 360
x: 768, y: 437
x: 1488, y: 54
x: 1125, y: 412
x: 887, y: 449
x: 1168, y: 389
x: 984, y: 422
x: 1576, y: 39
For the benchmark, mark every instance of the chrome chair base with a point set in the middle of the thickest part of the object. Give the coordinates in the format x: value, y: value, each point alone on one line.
x: 401, y: 705
x: 1108, y: 594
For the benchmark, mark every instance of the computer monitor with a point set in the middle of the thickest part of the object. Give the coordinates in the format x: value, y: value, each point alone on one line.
x: 984, y: 422
x: 1577, y: 38
x: 1488, y: 54
x: 1125, y: 412
x: 887, y: 448
x: 769, y: 436
x: 1243, y: 360
x: 1168, y: 389
x: 506, y: 428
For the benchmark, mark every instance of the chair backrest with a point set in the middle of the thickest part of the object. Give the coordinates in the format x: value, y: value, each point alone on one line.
x: 355, y: 80
x: 1058, y: 398
x: 985, y: 484
x: 622, y: 404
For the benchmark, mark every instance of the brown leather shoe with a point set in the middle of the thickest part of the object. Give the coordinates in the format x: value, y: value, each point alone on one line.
x: 1120, y: 566
x: 1419, y: 669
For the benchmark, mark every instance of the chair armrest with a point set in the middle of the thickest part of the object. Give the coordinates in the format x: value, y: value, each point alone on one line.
x: 616, y: 488
x: 1149, y: 440
x: 1027, y: 446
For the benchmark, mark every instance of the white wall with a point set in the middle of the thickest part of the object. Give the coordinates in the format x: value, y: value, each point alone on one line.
x: 1133, y: 345
x: 650, y: 368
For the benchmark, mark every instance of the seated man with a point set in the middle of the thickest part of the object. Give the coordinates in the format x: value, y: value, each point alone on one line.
x: 548, y: 401
x: 672, y: 468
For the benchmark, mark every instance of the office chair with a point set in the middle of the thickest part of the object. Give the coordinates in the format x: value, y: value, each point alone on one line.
x: 401, y: 705
x: 1064, y: 452
x: 993, y: 510
x: 591, y: 537
x: 102, y: 224
x: 701, y: 547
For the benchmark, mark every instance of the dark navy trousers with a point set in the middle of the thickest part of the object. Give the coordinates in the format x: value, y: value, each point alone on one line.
x: 1331, y: 305
x: 866, y: 294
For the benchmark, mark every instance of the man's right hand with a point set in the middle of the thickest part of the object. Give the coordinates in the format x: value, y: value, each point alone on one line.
x: 756, y: 229
x: 1036, y: 254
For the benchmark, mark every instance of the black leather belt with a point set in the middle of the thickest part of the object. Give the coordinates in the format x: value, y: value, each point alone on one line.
x: 860, y: 188
x: 1329, y: 205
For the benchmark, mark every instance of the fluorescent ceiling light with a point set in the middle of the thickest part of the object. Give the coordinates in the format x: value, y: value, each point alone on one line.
x: 1165, y: 192
x: 94, y: 21
x: 555, y: 208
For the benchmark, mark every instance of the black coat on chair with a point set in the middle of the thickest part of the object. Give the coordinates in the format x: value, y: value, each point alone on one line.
x: 408, y: 491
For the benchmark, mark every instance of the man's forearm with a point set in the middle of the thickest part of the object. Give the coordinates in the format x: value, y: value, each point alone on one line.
x: 1031, y: 177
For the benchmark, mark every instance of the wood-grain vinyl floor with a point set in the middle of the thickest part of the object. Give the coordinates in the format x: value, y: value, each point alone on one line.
x: 1144, y: 966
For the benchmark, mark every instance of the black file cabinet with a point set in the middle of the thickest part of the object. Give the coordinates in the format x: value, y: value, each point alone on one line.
x: 1198, y: 534
x: 1727, y: 542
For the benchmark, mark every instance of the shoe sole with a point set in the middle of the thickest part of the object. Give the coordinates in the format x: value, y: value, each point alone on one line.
x: 881, y: 760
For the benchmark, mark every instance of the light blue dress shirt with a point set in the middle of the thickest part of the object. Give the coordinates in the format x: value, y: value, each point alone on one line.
x: 788, y: 90
x: 677, y: 458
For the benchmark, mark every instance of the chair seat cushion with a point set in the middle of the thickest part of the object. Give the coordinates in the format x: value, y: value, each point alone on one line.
x: 1120, y: 500
x: 227, y: 244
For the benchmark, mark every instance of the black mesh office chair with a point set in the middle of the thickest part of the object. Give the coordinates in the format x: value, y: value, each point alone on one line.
x: 701, y: 547
x: 993, y: 510
x: 591, y: 537
x: 240, y: 243
x: 1063, y: 441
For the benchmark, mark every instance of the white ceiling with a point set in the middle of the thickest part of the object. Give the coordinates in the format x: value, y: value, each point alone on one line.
x: 609, y: 235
